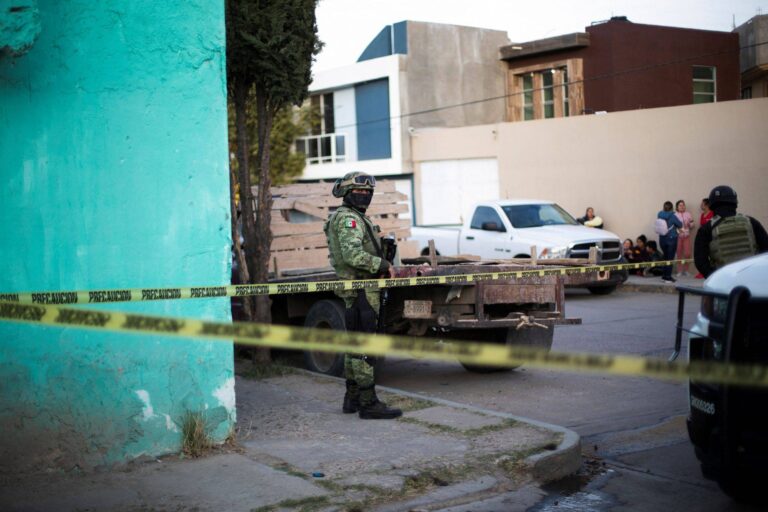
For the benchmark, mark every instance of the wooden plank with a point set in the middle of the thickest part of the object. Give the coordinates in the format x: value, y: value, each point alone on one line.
x: 432, y: 254
x: 387, y: 209
x: 557, y: 89
x: 517, y: 293
x: 408, y: 249
x: 317, y: 189
x: 514, y: 97
x: 388, y: 197
x: 538, y: 107
x: 576, y: 89
x: 286, y: 203
x: 284, y: 243
x: 302, y: 189
x: 393, y: 224
x: 310, y: 210
x: 328, y: 201
x: 296, y: 228
x: 310, y: 258
x: 303, y: 244
x: 401, y: 228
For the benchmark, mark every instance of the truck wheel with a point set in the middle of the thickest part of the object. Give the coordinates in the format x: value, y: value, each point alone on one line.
x: 329, y: 314
x: 530, y: 337
x: 601, y: 290
x: 325, y: 314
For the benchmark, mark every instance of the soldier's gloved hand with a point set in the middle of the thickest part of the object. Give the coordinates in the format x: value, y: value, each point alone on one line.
x: 386, y: 269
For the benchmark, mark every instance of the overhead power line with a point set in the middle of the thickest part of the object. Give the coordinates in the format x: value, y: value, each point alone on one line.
x: 572, y: 82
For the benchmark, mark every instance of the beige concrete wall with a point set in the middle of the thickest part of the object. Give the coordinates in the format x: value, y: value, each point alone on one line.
x: 624, y: 164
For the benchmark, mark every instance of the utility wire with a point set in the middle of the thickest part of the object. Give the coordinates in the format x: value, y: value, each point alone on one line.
x: 573, y: 82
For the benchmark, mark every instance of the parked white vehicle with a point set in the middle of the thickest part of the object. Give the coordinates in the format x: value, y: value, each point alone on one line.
x: 506, y: 229
x: 728, y: 425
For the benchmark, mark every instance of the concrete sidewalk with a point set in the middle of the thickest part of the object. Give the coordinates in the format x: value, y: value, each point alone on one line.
x: 297, y: 451
x: 654, y: 284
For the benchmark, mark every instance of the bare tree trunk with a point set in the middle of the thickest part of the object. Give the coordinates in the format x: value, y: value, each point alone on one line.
x: 242, y: 265
x: 264, y: 205
x: 240, y: 93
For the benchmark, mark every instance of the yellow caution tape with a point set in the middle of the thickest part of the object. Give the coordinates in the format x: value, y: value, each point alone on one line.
x: 299, y: 338
x: 150, y: 294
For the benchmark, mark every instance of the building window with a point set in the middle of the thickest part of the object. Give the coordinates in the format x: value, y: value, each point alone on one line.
x: 547, y: 93
x: 566, y: 106
x: 542, y: 94
x: 527, y: 96
x: 704, y: 90
x: 544, y: 91
x: 746, y: 93
x: 323, y: 145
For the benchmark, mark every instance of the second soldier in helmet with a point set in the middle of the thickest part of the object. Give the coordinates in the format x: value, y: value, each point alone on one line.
x: 728, y: 236
x: 356, y: 252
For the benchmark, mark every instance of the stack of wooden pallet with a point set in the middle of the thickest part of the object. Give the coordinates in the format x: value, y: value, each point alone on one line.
x: 300, y: 210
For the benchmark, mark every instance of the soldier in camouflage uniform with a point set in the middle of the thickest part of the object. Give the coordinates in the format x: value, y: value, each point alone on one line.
x: 356, y: 253
x: 728, y: 236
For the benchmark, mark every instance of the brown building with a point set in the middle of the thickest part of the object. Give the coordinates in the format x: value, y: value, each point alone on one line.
x: 753, y: 36
x: 619, y: 65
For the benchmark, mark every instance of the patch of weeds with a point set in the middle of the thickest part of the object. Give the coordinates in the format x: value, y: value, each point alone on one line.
x: 433, y: 427
x: 310, y: 504
x: 434, y: 477
x: 406, y: 403
x: 479, y: 431
x: 512, y: 463
x: 447, y: 429
x: 329, y: 484
x: 306, y: 504
x: 196, y: 439
x: 255, y: 371
x: 376, y: 495
x: 290, y: 470
x: 356, y: 506
x: 231, y: 443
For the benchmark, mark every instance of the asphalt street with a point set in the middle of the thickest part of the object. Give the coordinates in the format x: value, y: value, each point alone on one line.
x: 636, y: 451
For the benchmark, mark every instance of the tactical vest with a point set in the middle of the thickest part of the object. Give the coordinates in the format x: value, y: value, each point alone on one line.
x: 371, y: 245
x: 733, y: 239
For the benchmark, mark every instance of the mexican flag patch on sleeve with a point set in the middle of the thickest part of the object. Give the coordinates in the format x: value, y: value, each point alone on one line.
x: 350, y: 223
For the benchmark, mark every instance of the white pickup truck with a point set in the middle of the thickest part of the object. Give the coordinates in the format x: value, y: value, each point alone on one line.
x: 505, y: 229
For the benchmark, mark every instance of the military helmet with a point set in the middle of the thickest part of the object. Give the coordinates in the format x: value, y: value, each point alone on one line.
x: 721, y: 195
x: 353, y: 180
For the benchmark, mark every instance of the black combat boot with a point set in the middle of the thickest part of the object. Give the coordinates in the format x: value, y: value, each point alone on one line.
x: 371, y: 408
x: 351, y: 398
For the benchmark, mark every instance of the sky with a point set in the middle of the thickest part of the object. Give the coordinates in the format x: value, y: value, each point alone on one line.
x: 347, y: 26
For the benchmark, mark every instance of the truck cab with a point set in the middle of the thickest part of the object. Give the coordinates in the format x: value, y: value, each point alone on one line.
x: 510, y: 228
x: 728, y: 425
x: 506, y: 229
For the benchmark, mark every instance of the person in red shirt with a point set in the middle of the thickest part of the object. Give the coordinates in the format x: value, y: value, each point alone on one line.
x: 706, y: 215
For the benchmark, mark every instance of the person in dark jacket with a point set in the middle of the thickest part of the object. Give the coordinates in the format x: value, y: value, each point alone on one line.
x: 668, y: 242
x: 728, y: 236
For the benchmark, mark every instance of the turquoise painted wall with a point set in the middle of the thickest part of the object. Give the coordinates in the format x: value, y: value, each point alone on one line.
x: 114, y: 173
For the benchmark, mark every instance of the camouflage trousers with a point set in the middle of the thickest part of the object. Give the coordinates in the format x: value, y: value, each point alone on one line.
x: 358, y: 368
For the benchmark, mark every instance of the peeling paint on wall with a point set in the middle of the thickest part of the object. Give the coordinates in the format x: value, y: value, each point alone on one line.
x: 147, y: 410
x: 19, y: 26
x: 226, y: 395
